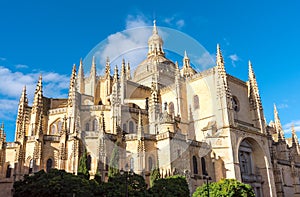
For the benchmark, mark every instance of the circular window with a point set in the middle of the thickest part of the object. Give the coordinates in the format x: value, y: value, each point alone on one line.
x: 235, y: 104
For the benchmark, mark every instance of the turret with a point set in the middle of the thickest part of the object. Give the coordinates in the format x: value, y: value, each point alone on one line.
x: 107, y: 69
x: 155, y: 43
x: 187, y: 70
x: 38, y: 95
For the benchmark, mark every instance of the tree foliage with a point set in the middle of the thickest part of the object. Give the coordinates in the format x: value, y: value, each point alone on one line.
x: 170, y: 186
x: 114, y: 162
x: 225, y: 187
x: 155, y: 175
x: 82, y: 168
x: 54, y: 183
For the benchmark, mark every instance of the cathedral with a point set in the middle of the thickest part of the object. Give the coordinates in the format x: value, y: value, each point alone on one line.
x: 202, y: 125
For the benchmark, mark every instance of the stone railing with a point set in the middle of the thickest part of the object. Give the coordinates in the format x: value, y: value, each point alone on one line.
x: 51, y: 138
x: 95, y: 107
x: 251, y: 178
x: 11, y: 145
x: 30, y: 138
x: 57, y: 111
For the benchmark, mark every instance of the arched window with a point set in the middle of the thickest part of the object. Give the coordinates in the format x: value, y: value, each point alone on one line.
x: 95, y: 125
x: 87, y: 126
x: 235, y: 104
x: 8, y: 171
x: 171, y: 108
x: 196, y: 102
x: 49, y: 164
x: 195, y: 165
x: 131, y: 127
x: 30, y: 166
x: 150, y: 163
x: 59, y: 126
x: 125, y: 127
x: 53, y: 129
x: 203, y: 165
x: 131, y: 164
x: 88, y: 162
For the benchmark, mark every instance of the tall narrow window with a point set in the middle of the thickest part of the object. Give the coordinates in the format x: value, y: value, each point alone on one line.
x: 8, y: 171
x: 203, y: 164
x: 53, y: 130
x: 59, y: 126
x: 49, y: 164
x: 87, y: 126
x: 171, y: 108
x: 95, y: 125
x: 195, y: 165
x: 150, y: 163
x: 125, y: 127
x: 131, y: 164
x: 131, y: 127
x: 30, y: 166
x: 88, y: 162
x: 196, y: 102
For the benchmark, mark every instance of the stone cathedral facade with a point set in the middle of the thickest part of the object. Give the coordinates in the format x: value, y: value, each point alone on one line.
x: 161, y: 115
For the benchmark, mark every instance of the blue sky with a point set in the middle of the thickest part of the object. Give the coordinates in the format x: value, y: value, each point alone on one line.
x: 49, y: 36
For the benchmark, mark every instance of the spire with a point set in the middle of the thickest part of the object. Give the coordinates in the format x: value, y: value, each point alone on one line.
x: 253, y: 85
x: 80, y: 70
x: 278, y: 126
x: 128, y: 73
x: 23, y: 98
x: 93, y: 67
x: 123, y: 68
x: 186, y: 60
x: 185, y: 55
x: 140, y: 129
x: 2, y: 134
x: 38, y: 95
x: 220, y: 62
x: 107, y: 68
x: 294, y: 136
x: 72, y: 87
x: 154, y: 31
x: 116, y: 75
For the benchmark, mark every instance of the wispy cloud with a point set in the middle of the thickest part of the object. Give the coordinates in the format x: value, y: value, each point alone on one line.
x: 2, y: 59
x: 288, y: 127
x: 174, y: 21
x: 234, y: 58
x: 54, y: 85
x: 282, y: 106
x: 205, y: 60
x: 18, y: 66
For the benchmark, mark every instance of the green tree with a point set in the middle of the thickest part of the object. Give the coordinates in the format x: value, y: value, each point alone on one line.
x: 155, y: 175
x: 171, y: 186
x: 114, y: 162
x: 225, y: 187
x: 82, y: 168
x: 54, y: 183
x: 116, y: 185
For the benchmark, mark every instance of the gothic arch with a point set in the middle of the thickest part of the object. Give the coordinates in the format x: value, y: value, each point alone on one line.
x: 254, y: 165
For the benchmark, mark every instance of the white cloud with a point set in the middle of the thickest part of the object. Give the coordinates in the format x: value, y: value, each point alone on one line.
x: 180, y: 23
x: 234, y: 58
x: 12, y: 83
x: 129, y: 44
x: 2, y: 59
x: 205, y: 60
x: 18, y: 66
x: 288, y: 127
x: 173, y: 21
x: 282, y: 106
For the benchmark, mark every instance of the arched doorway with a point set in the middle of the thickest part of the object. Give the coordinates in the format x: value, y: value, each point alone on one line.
x: 253, y: 167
